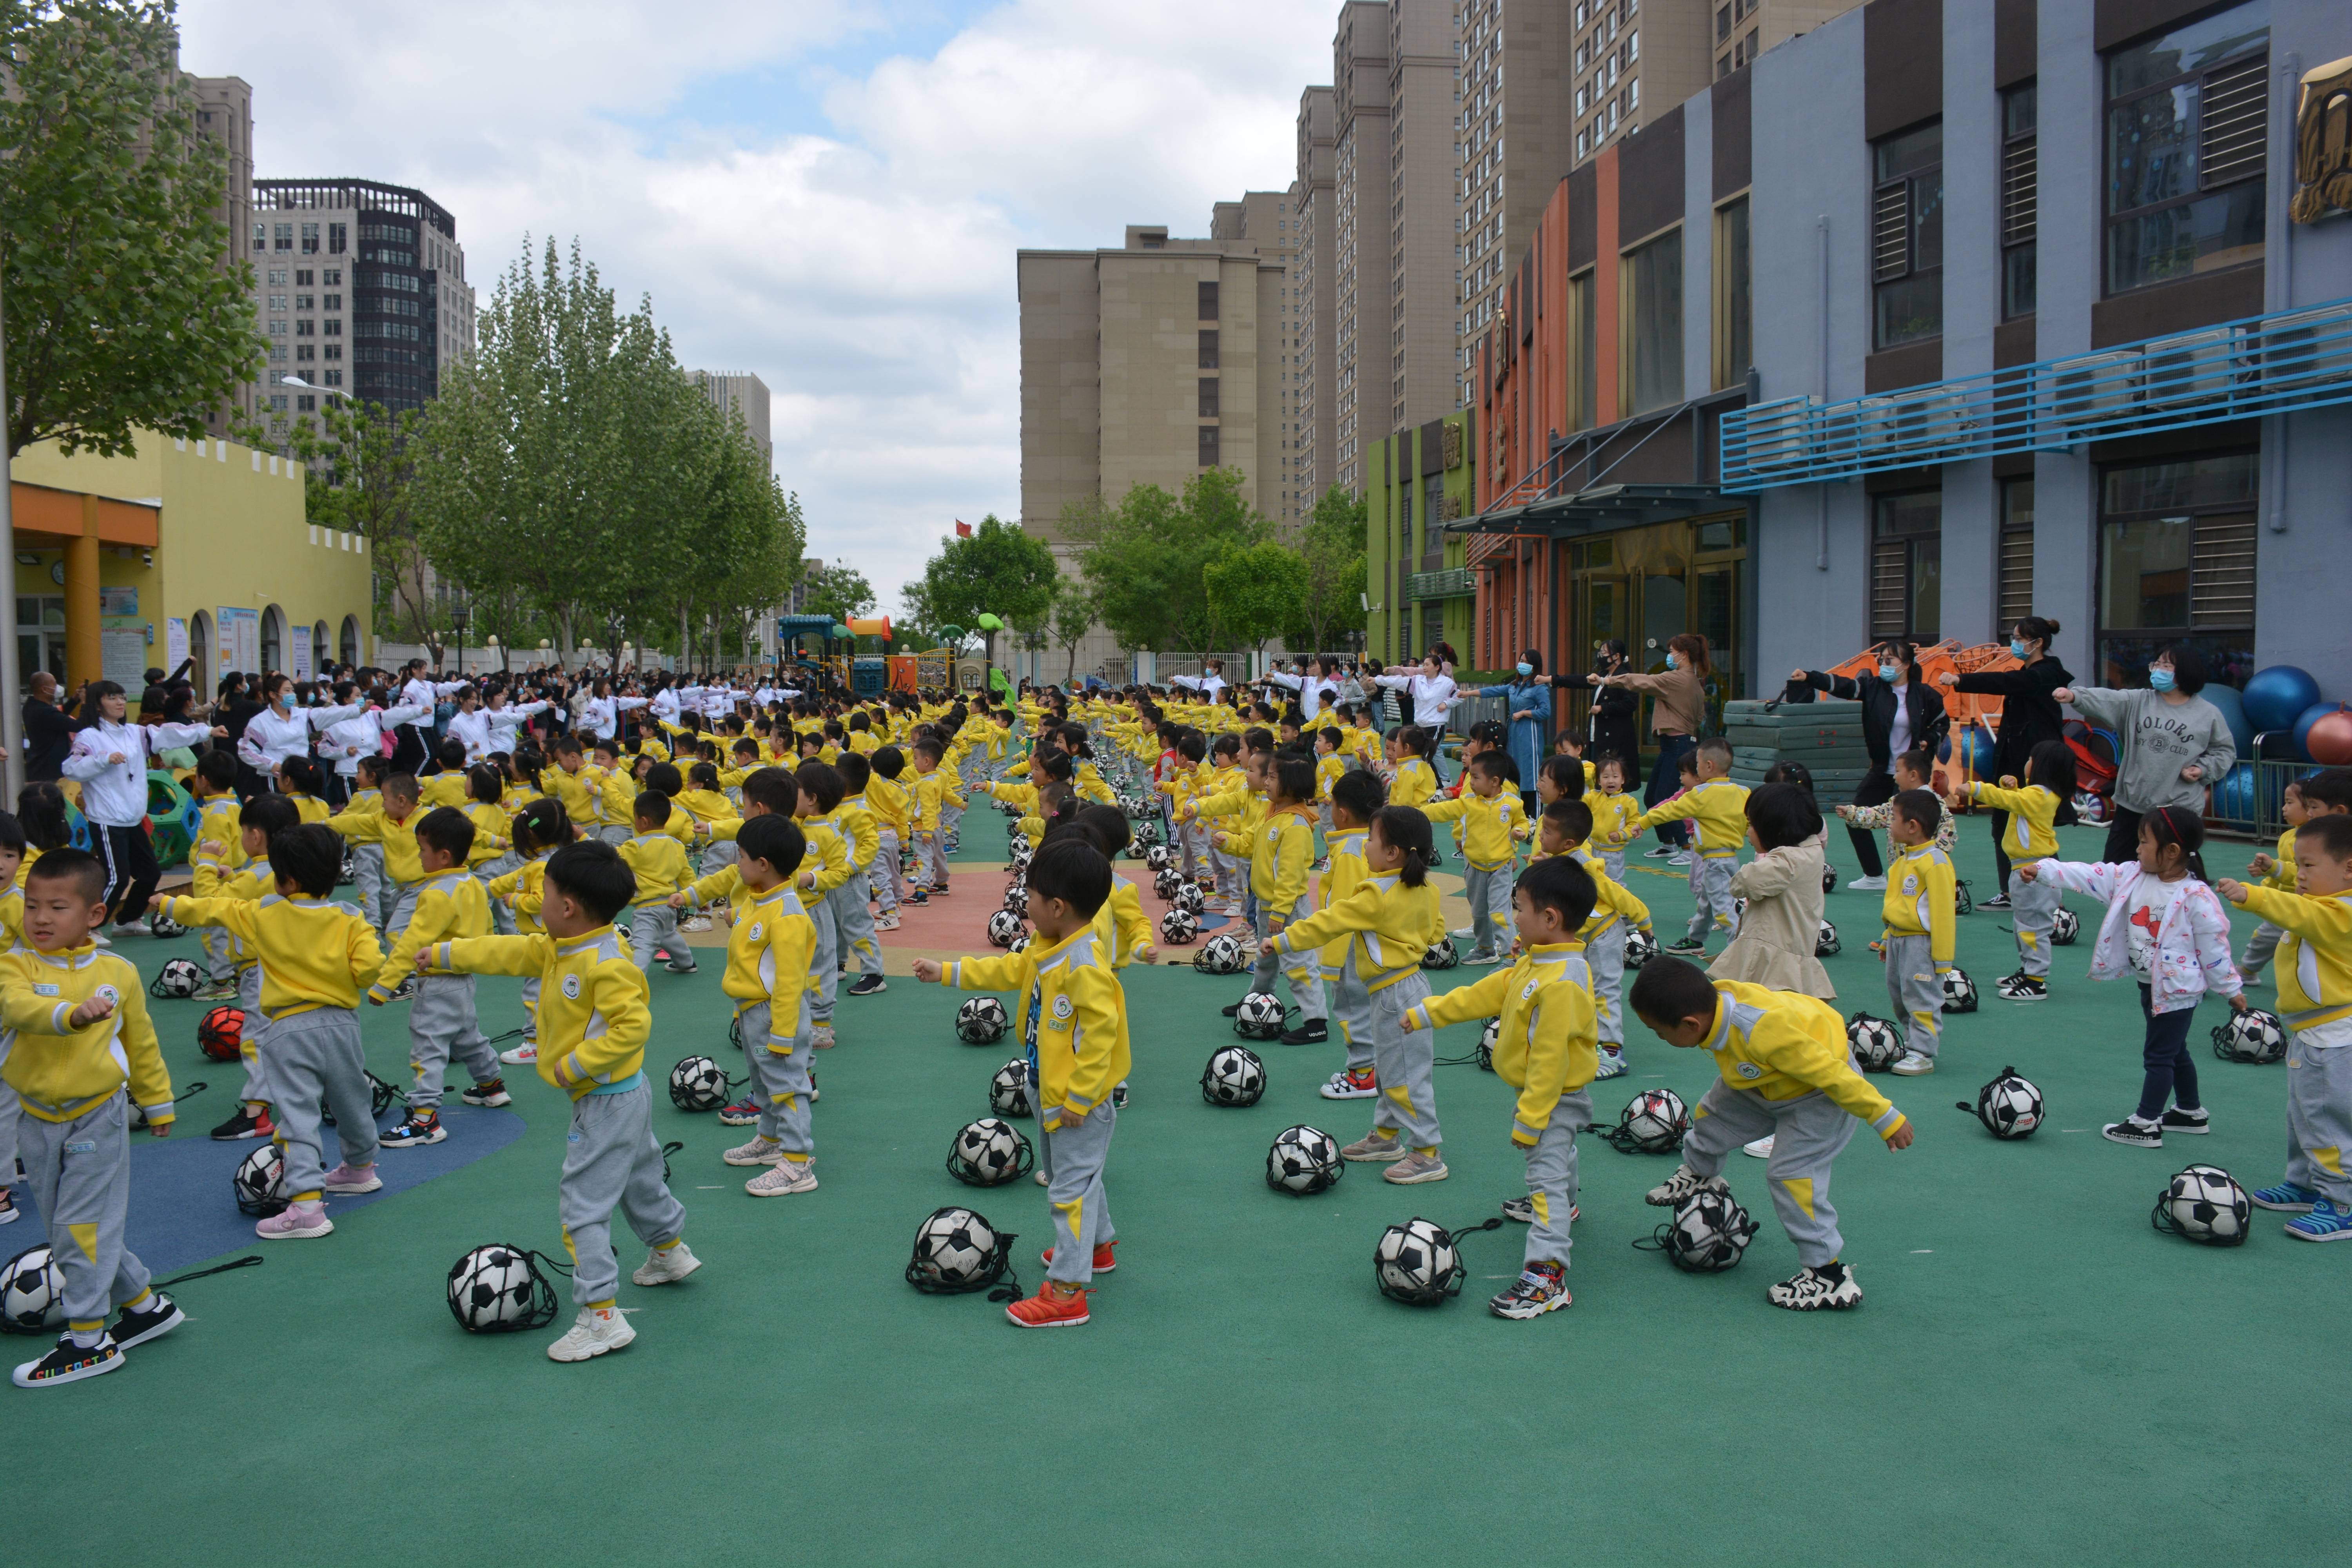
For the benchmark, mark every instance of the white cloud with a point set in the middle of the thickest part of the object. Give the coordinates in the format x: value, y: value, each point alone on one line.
x: 799, y: 200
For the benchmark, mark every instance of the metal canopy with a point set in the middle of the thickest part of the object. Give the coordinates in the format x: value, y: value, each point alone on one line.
x: 1600, y: 510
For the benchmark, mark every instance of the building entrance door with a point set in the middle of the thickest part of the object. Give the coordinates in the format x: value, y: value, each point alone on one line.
x: 1645, y: 586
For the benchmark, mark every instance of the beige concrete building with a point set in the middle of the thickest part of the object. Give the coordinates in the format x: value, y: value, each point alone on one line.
x: 743, y: 391
x: 1743, y: 29
x: 1516, y: 139
x: 1311, y: 464
x: 224, y: 115
x: 1633, y: 60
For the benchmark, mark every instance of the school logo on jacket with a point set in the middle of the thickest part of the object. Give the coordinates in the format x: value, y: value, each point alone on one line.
x: 1910, y: 883
x: 1748, y: 1069
x: 572, y: 988
x: 758, y: 930
x: 110, y: 995
x: 1529, y: 988
x: 1062, y: 1009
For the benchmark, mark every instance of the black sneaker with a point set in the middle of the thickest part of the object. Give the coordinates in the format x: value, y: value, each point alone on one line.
x: 1313, y: 1032
x: 69, y: 1363
x: 1231, y: 1010
x: 1542, y: 1287
x: 136, y: 1327
x: 1829, y: 1289
x: 2131, y: 1129
x: 1998, y: 901
x: 2023, y: 987
x: 1688, y: 944
x: 415, y: 1132
x: 2191, y: 1121
x: 244, y: 1124
x: 676, y: 968
x: 1662, y: 852
x: 493, y: 1093
x: 8, y: 1209
x: 869, y: 984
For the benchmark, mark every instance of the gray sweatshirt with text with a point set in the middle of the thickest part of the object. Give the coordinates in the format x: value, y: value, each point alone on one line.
x: 2160, y: 739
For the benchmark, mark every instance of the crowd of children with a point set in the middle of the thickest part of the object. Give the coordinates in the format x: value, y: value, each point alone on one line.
x: 569, y: 843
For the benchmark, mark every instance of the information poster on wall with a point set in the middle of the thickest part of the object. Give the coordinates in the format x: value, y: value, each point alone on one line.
x: 175, y: 646
x: 298, y: 639
x: 122, y: 655
x: 240, y: 640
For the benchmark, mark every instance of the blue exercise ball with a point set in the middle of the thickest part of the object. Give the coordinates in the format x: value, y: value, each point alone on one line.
x: 2275, y: 697
x: 2303, y: 723
x: 2233, y: 798
x: 2233, y: 710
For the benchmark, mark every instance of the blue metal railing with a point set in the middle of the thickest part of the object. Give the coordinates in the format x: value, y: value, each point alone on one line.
x: 2233, y: 370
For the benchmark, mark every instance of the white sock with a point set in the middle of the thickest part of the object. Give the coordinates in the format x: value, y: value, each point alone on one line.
x: 86, y: 1339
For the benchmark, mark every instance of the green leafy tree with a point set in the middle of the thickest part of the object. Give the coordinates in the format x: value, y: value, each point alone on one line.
x: 1074, y: 616
x: 1332, y: 548
x: 840, y: 591
x: 1145, y: 558
x: 120, y: 310
x: 998, y: 571
x: 359, y: 474
x: 1256, y: 592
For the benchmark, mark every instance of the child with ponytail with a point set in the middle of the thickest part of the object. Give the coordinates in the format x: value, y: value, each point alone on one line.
x: 2167, y: 930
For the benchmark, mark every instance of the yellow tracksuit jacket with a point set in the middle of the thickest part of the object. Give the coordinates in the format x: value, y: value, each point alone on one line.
x: 1344, y: 847
x: 313, y: 953
x: 493, y: 829
x: 1389, y: 925
x: 1547, y: 1043
x: 1282, y: 853
x: 1721, y: 807
x: 659, y: 863
x: 1612, y: 816
x: 1080, y: 1015
x: 768, y: 951
x: 2314, y: 957
x: 933, y: 792
x: 594, y: 1013
x: 579, y: 794
x: 524, y: 891
x: 1920, y: 894
x: 1122, y: 924
x: 450, y: 906
x: 1616, y: 904
x: 2031, y: 834
x: 1488, y: 823
x: 398, y: 838
x: 1780, y: 1046
x: 220, y: 843
x: 1416, y: 783
x: 59, y: 1072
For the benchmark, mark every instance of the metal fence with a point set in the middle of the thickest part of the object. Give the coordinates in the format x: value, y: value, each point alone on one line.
x: 2248, y: 803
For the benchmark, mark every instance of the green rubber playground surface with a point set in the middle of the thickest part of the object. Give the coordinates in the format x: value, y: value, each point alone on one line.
x: 2036, y: 1377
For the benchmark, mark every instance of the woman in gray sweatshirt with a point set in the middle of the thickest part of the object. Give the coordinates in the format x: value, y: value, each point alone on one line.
x: 2171, y: 744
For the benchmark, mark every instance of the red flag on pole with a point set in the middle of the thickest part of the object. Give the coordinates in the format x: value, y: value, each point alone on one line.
x: 964, y: 529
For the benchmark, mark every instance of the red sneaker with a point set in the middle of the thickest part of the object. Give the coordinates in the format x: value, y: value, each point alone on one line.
x: 1053, y: 1307
x: 1104, y: 1261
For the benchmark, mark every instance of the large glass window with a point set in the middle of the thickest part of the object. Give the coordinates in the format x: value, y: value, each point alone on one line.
x: 2176, y: 545
x: 1734, y: 323
x: 1652, y: 371
x: 2187, y: 123
x: 1583, y: 385
x: 2020, y: 189
x: 2016, y: 564
x: 1906, y: 237
x: 1906, y: 567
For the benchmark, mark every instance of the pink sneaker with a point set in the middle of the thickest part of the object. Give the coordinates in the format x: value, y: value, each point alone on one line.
x: 353, y: 1179
x: 301, y: 1222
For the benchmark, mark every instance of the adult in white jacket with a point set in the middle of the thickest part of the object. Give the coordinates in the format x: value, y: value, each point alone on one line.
x: 281, y: 730
x: 361, y: 734
x: 505, y: 718
x: 1432, y: 690
x: 110, y: 758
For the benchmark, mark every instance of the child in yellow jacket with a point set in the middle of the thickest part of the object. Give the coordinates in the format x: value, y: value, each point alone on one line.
x: 1920, y: 928
x: 1720, y: 808
x: 540, y: 829
x: 1492, y: 815
x: 768, y: 949
x: 1282, y: 851
x: 1566, y: 830
x: 2325, y: 792
x: 451, y: 906
x: 1355, y: 801
x: 2030, y: 834
x: 661, y: 869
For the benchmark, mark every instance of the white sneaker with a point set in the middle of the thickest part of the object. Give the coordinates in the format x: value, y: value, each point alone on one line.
x: 1464, y: 931
x: 1612, y: 1063
x: 668, y: 1268
x: 522, y: 1055
x: 1679, y: 858
x: 782, y: 1179
x: 1482, y: 958
x: 1911, y: 1063
x: 1759, y: 1150
x: 886, y: 922
x: 757, y: 1151
x: 1868, y: 885
x: 592, y: 1334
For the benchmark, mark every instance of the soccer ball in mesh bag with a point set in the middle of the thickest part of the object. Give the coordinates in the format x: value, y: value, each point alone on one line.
x: 1156, y: 855
x: 1147, y: 835
x: 2009, y: 1106
x: 1190, y: 899
x: 1303, y: 1160
x: 1016, y: 900
x: 2065, y: 928
x: 220, y: 1034
x: 259, y: 1182
x: 1875, y: 1043
x: 1179, y: 927
x: 2252, y: 1035
x: 1416, y: 1263
x: 1165, y: 882
x: 1220, y: 954
x: 1004, y: 929
x: 1013, y: 1090
x: 160, y: 924
x: 1260, y: 1017
x: 1708, y: 1233
x: 1829, y: 878
x: 499, y: 1289
x: 1826, y: 945
x: 982, y: 1021
x: 1653, y: 1122
x: 1234, y: 1077
x: 1488, y: 1038
x: 176, y: 981
x: 697, y: 1084
x: 2205, y: 1204
x: 1020, y: 943
x: 32, y: 1297
x: 1960, y: 991
x: 1441, y: 954
x: 957, y: 1251
x: 1640, y: 948
x: 990, y: 1153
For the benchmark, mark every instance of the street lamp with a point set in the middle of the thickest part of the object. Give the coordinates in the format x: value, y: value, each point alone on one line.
x: 458, y: 627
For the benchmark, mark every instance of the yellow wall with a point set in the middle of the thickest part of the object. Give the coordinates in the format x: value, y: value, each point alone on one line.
x: 230, y: 531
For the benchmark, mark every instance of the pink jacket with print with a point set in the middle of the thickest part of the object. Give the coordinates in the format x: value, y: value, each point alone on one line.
x: 2192, y: 946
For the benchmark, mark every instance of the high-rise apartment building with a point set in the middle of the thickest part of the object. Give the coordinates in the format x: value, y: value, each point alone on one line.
x: 224, y: 117
x: 1632, y: 62
x: 746, y: 393
x: 1313, y: 466
x: 1742, y: 29
x: 1359, y: 248
x: 361, y: 290
x: 1516, y: 135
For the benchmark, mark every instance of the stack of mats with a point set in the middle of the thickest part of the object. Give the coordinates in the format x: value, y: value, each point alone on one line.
x: 1825, y: 736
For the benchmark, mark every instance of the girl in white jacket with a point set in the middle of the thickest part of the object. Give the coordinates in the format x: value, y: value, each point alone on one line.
x: 2167, y: 930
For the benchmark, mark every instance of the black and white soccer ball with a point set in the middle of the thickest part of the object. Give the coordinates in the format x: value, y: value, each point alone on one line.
x: 697, y: 1084
x: 1004, y: 929
x: 1013, y: 1090
x: 176, y: 981
x: 1829, y: 878
x: 32, y: 1296
x: 1262, y: 1017
x: 990, y: 1153
x: 1148, y: 835
x: 1220, y: 954
x: 160, y: 924
x: 1708, y: 1233
x: 2009, y: 1106
x: 1488, y: 1038
x: 1877, y: 1046
x: 1640, y: 948
x: 2252, y: 1035
x: 1016, y: 900
x: 957, y: 1251
x: 499, y: 1289
x: 349, y: 871
x: 1157, y: 857
x: 1960, y: 991
x: 1179, y: 927
x: 982, y: 1021
x: 1303, y: 1160
x: 2065, y: 928
x: 1416, y: 1263
x: 259, y: 1182
x: 1441, y: 954
x: 2204, y: 1203
x: 1234, y: 1077
x: 1653, y: 1122
x: 1189, y: 898
x: 1165, y: 882
x: 1826, y: 945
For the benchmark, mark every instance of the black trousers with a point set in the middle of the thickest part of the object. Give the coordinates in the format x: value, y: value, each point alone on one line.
x: 1876, y: 790
x: 2123, y: 838
x: 1665, y: 779
x: 129, y: 857
x: 2168, y: 1069
x: 2001, y: 854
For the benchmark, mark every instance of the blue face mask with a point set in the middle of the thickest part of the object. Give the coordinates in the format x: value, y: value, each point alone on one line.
x: 2160, y: 680
x: 1525, y: 669
x: 2016, y: 648
x: 1889, y: 672
x: 1672, y: 662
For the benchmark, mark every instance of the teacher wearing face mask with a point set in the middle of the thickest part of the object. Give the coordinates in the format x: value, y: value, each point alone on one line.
x: 1677, y: 708
x: 1527, y: 699
x: 2172, y: 745
x: 2029, y: 715
x: 1900, y: 712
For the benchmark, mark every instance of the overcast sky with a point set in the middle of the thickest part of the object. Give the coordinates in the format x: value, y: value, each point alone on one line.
x: 827, y: 195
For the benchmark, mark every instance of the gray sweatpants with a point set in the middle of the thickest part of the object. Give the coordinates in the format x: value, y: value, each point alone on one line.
x: 1352, y: 1010
x: 653, y: 927
x: 1915, y: 991
x: 399, y: 906
x: 1490, y: 891
x: 249, y: 1036
x: 368, y: 881
x: 824, y: 960
x: 220, y: 952
x: 780, y: 1076
x: 11, y: 1108
x: 1806, y: 1133
x: 1604, y: 957
x: 80, y: 1172
x: 931, y: 857
x: 854, y: 927
x: 882, y: 871
x: 615, y: 834
x: 2318, y: 1118
x: 314, y: 1059
x: 1614, y: 860
x: 1711, y: 890
x: 442, y: 1024
x: 1407, y: 1106
x: 2033, y: 910
x: 1303, y: 970
x: 610, y: 1160
x: 1073, y: 1160
x: 2259, y: 946
x: 1232, y: 871
x: 502, y: 921
x: 1551, y: 1178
